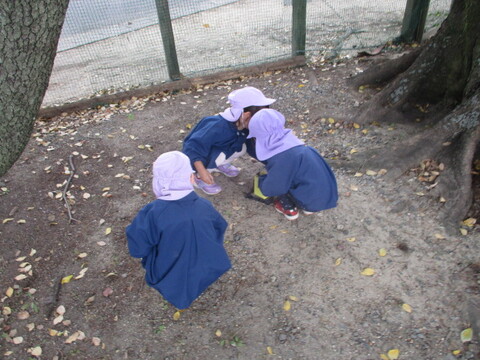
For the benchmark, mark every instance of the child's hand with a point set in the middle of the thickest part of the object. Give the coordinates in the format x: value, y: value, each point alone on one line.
x: 203, y: 173
x: 206, y: 177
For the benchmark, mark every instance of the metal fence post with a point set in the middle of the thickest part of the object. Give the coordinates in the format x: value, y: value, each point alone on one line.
x: 414, y: 20
x: 168, y: 39
x: 299, y: 26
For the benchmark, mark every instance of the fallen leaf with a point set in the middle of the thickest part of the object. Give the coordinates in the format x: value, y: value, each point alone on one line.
x: 52, y: 332
x: 218, y: 333
x: 439, y: 236
x: 86, y: 196
x: 466, y: 335
x: 351, y: 239
x: 371, y: 173
x: 393, y: 354
x: 9, y: 292
x: 96, y: 341
x: 108, y: 230
x: 60, y: 310
x: 384, y: 357
x: 338, y: 261
x: 58, y: 320
x: 287, y: 305
x: 17, y: 340
x: 30, y: 327
x: 81, y: 273
x: 176, y: 316
x: 456, y: 352
x: 368, y: 272
x: 35, y: 351
x: 464, y: 232
x: 6, y: 310
x: 407, y: 308
x: 67, y: 279
x: 7, y: 220
x: 82, y: 255
x: 358, y: 174
x: 23, y: 315
x: 22, y: 221
x: 469, y: 222
x: 32, y: 252
x: 20, y: 277
x: 382, y: 252
x: 77, y: 335
x: 107, y: 292
x: 353, y: 151
x: 293, y: 298
x: 269, y: 350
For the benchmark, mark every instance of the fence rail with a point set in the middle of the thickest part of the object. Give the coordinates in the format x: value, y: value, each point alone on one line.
x: 110, y: 47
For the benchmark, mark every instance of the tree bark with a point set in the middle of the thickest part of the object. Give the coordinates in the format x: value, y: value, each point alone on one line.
x: 445, y: 78
x: 29, y: 33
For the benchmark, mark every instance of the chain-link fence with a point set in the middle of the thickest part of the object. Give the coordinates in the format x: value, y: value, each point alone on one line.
x: 106, y: 47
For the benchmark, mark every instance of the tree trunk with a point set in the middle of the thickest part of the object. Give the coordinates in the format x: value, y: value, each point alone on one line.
x: 444, y: 78
x: 29, y: 33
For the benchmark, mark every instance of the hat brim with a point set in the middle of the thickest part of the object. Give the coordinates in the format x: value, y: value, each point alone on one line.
x: 266, y: 102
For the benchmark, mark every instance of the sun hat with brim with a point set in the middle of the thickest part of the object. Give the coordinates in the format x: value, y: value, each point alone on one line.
x: 231, y: 114
x: 243, y: 98
x: 171, y: 176
x: 248, y: 96
x: 271, y: 137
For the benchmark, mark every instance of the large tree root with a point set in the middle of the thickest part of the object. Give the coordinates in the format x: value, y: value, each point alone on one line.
x: 386, y: 71
x: 452, y: 141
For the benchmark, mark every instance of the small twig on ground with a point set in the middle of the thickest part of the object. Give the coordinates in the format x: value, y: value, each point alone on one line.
x: 67, y: 186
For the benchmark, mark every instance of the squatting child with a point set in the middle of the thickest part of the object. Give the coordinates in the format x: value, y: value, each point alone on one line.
x: 297, y: 175
x: 217, y: 140
x: 178, y: 236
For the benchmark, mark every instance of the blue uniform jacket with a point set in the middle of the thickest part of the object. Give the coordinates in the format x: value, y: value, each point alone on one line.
x: 181, y: 246
x: 303, y: 173
x: 210, y: 137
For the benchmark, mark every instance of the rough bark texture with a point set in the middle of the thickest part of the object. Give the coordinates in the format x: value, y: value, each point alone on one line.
x: 446, y: 77
x: 29, y: 33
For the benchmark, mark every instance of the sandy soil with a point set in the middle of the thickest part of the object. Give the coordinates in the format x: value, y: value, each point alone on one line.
x: 296, y: 289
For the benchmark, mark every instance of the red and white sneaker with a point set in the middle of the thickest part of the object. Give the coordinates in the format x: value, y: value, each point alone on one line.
x: 290, y: 214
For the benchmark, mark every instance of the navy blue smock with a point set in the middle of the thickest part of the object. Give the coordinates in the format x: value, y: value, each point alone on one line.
x: 303, y: 173
x: 181, y: 246
x: 212, y: 136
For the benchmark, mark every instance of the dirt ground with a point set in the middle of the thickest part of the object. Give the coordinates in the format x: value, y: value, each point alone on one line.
x: 297, y: 290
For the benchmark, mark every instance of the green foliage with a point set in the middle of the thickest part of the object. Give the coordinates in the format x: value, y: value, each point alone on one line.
x: 159, y: 329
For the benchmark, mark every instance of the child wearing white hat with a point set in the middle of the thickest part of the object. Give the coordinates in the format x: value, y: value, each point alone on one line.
x: 217, y: 140
x: 178, y: 236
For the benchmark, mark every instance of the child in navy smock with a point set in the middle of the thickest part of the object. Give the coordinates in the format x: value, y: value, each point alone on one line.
x: 179, y: 236
x: 297, y: 175
x: 217, y: 140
